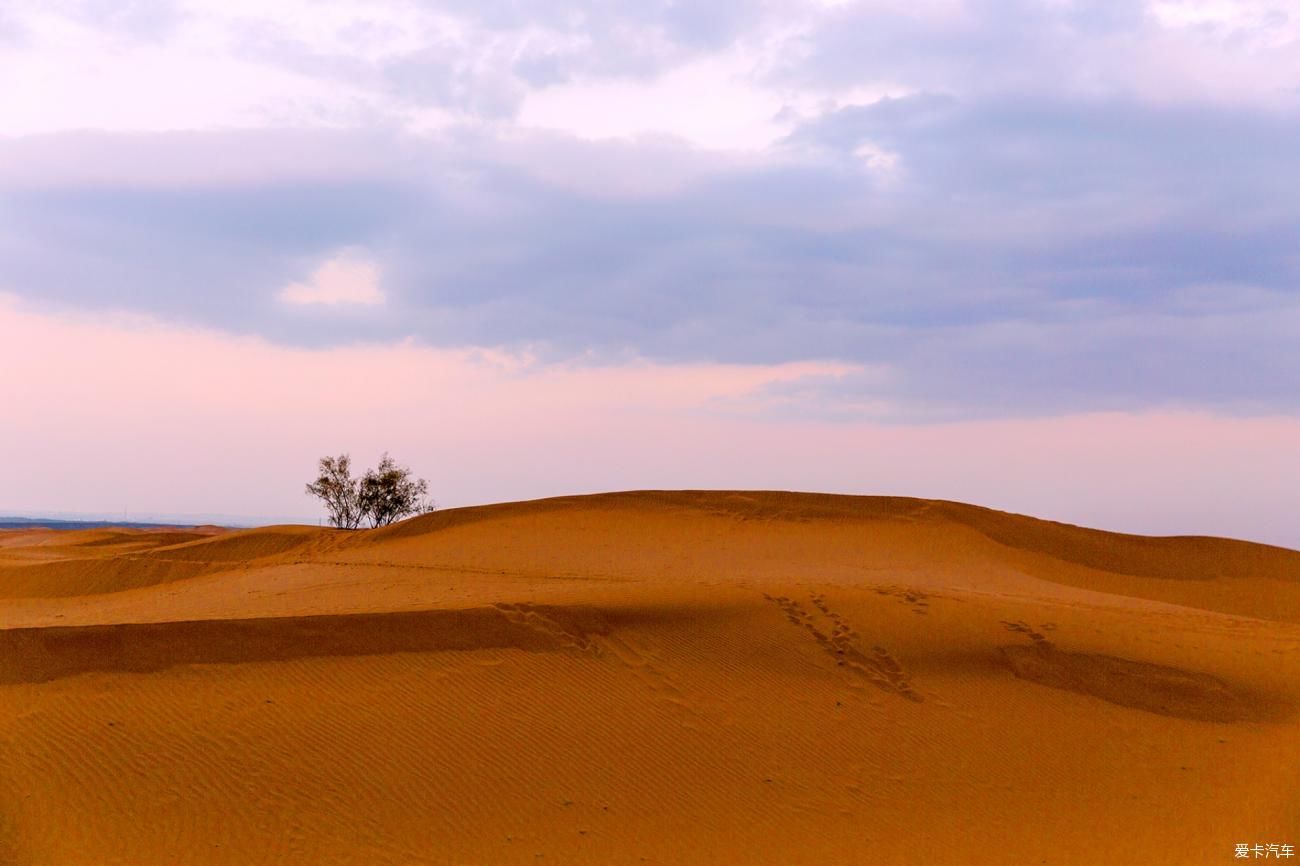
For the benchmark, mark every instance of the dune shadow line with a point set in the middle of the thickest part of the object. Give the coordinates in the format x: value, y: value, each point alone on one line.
x: 37, y: 655
x: 1166, y: 691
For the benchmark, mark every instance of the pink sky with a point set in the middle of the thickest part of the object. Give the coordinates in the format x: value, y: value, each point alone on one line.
x: 127, y: 413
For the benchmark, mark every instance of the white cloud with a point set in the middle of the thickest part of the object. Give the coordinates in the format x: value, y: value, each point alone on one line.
x: 1233, y: 13
x: 878, y: 160
x: 77, y: 76
x: 709, y: 103
x: 345, y: 280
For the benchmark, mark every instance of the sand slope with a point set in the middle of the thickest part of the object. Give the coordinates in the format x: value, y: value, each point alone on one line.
x: 654, y: 677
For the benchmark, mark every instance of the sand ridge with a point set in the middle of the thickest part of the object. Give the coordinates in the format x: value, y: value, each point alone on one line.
x: 648, y: 677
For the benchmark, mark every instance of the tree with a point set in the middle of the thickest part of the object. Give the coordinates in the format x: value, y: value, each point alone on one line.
x: 381, y: 496
x: 340, y: 492
x: 390, y: 493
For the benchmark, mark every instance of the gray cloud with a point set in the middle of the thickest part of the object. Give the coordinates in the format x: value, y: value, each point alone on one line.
x: 1029, y: 258
x: 1024, y: 235
x: 12, y: 31
x: 984, y: 46
x: 989, y: 50
x: 152, y: 20
x: 505, y: 50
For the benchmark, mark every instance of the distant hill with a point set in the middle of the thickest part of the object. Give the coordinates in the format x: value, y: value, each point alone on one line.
x: 48, y: 523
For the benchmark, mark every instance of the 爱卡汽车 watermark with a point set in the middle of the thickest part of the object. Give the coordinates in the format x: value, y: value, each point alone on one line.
x: 1263, y: 850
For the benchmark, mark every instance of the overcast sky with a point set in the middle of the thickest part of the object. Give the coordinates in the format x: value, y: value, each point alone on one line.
x: 1038, y: 254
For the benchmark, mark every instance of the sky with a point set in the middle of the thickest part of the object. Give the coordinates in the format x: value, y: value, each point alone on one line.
x: 1040, y: 255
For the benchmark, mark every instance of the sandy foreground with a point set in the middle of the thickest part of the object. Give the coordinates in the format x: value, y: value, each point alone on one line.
x: 686, y: 678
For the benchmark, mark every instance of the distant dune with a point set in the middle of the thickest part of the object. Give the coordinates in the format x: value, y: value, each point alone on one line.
x: 649, y: 677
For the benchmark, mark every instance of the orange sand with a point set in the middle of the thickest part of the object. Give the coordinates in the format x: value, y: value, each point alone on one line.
x: 690, y: 678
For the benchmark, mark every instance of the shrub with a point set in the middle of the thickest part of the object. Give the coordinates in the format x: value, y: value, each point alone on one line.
x: 381, y: 496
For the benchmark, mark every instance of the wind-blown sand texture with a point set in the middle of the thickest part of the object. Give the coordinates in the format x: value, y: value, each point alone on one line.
x: 655, y: 677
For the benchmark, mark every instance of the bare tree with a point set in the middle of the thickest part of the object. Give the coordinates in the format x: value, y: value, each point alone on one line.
x: 340, y: 492
x: 381, y: 496
x: 389, y: 493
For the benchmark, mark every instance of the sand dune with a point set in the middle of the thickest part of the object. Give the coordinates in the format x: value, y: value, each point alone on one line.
x: 652, y: 677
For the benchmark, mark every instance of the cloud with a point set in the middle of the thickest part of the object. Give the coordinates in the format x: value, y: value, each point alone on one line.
x: 1166, y: 52
x: 347, y: 279
x: 405, y: 65
x: 208, y: 160
x: 12, y: 33
x: 343, y: 63
x: 151, y: 20
x: 1014, y: 257
x: 1053, y: 209
x: 709, y: 103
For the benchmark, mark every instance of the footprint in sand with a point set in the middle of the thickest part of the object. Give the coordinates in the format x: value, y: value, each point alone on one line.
x: 907, y: 595
x: 1026, y: 629
x: 842, y: 643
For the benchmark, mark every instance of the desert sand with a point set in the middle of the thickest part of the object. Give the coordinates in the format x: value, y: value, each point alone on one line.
x: 652, y: 677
